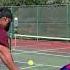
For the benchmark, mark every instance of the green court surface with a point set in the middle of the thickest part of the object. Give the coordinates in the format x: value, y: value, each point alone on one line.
x: 43, y: 60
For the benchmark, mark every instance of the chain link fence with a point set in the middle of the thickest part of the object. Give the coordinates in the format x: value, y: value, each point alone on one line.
x: 42, y: 20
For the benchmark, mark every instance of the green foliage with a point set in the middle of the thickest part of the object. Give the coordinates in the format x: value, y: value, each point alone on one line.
x: 11, y: 2
x: 41, y: 2
x: 27, y: 2
x: 58, y: 2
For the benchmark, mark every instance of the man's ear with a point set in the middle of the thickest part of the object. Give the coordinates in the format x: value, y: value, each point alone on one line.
x: 8, y: 25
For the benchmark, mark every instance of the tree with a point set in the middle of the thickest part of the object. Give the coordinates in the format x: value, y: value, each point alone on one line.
x: 58, y: 2
x: 11, y: 2
x: 30, y: 2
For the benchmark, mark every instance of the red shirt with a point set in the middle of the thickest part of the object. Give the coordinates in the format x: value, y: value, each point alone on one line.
x: 3, y: 37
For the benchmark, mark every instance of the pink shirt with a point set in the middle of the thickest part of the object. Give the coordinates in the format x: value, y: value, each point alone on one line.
x: 3, y: 37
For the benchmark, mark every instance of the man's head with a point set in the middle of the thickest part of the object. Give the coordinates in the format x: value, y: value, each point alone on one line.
x: 5, y: 18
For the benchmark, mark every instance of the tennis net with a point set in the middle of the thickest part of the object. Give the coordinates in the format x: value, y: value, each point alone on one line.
x: 40, y: 42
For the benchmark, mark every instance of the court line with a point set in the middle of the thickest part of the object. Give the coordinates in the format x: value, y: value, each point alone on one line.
x: 36, y: 65
x: 20, y: 62
x: 45, y: 50
x: 40, y: 65
x: 41, y: 53
x: 15, y: 62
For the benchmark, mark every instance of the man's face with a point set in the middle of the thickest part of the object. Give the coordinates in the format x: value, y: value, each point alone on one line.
x: 4, y: 21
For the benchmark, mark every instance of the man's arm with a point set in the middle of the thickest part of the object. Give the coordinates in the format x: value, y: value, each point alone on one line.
x: 7, y: 58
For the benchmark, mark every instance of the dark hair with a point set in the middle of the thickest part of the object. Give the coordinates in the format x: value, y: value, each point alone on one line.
x: 6, y: 12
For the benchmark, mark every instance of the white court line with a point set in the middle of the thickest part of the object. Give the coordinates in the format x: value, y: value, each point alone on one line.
x: 23, y: 51
x: 17, y: 62
x: 40, y: 65
x: 20, y: 62
x: 42, y: 51
x: 41, y: 54
x: 51, y: 49
x: 36, y: 65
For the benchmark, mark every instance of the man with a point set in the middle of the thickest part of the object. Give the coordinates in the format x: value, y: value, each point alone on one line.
x: 5, y: 55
